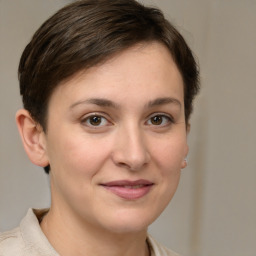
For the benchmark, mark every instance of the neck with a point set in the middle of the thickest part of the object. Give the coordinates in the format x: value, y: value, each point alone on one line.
x: 74, y: 237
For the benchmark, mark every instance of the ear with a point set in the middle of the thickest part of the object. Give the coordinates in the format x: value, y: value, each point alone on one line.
x: 33, y: 138
x: 185, y: 161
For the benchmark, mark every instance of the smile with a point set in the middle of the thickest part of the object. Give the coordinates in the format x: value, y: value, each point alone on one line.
x: 129, y: 190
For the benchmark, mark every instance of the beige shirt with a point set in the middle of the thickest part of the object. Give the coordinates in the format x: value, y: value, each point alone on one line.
x: 29, y: 240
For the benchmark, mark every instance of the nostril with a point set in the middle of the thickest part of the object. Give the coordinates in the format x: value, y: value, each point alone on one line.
x: 133, y: 165
x: 123, y: 165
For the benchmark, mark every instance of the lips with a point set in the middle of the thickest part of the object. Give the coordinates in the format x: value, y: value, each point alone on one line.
x: 129, y: 190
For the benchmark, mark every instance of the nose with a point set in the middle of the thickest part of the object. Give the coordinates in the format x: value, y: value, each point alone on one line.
x: 130, y: 150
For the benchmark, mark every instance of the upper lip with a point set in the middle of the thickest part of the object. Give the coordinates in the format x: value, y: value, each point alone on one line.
x: 127, y: 183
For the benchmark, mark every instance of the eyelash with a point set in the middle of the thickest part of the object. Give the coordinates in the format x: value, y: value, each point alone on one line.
x: 87, y: 120
x: 164, y: 119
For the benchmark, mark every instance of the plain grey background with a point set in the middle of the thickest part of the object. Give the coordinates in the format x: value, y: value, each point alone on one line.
x: 214, y: 210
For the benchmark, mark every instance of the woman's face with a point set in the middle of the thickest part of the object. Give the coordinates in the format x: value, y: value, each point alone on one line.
x: 116, y: 140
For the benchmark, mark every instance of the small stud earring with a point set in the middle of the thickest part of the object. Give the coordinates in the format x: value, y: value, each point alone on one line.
x: 185, y: 163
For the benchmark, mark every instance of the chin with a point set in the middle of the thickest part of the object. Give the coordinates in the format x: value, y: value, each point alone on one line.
x: 130, y: 222
x: 128, y: 228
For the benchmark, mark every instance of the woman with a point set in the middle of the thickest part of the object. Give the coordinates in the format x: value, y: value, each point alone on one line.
x: 107, y: 88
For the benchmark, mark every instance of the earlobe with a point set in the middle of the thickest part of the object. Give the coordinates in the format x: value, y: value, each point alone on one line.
x: 184, y: 163
x: 33, y: 138
x: 185, y: 160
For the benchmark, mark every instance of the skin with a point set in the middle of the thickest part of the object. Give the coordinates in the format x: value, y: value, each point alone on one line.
x: 139, y: 132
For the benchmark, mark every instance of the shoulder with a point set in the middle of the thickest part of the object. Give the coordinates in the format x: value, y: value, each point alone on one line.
x: 27, y: 239
x: 158, y: 249
x: 11, y: 243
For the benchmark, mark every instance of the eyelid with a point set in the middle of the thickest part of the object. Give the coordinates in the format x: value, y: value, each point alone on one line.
x: 165, y: 115
x: 86, y: 117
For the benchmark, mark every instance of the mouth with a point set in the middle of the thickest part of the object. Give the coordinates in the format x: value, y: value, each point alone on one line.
x: 129, y: 190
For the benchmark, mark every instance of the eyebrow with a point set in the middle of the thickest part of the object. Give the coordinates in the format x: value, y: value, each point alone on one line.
x: 96, y: 101
x: 164, y: 101
x: 108, y: 103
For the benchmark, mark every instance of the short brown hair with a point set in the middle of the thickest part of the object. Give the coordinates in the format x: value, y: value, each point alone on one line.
x: 88, y: 32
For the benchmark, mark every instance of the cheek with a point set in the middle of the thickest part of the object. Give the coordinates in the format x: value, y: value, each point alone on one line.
x: 75, y: 162
x: 76, y: 156
x: 168, y: 159
x: 169, y: 155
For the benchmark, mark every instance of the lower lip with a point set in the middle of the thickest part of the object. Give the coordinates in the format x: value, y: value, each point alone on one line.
x: 129, y: 193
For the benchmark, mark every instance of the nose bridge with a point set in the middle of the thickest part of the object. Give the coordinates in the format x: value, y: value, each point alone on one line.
x: 131, y: 149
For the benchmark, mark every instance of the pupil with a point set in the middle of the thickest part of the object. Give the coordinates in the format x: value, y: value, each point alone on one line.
x: 96, y: 120
x: 156, y: 120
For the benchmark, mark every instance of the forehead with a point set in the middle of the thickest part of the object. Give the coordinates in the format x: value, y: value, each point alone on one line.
x: 139, y: 72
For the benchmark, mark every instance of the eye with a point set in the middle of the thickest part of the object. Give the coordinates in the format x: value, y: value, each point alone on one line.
x: 95, y: 121
x: 159, y: 120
